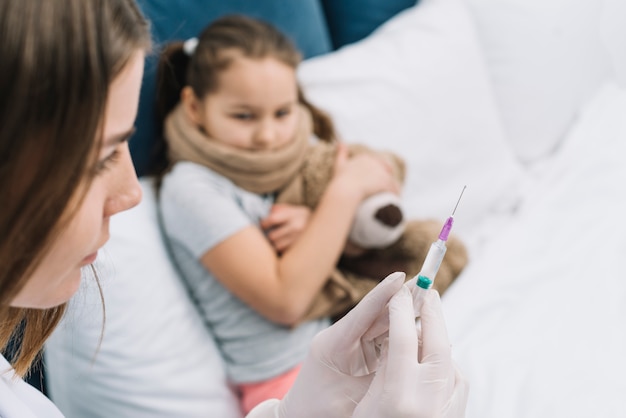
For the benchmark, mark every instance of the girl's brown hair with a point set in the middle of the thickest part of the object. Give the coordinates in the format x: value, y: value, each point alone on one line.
x: 251, y: 38
x: 58, y: 61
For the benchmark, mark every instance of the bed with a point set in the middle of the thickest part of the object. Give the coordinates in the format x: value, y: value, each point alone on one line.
x: 522, y: 101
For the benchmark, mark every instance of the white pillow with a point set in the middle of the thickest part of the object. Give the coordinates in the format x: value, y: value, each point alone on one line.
x: 546, y: 59
x: 613, y: 32
x: 419, y: 86
x: 156, y: 358
x: 537, y: 321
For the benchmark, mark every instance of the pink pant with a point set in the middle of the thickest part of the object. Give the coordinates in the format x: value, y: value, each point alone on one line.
x: 253, y: 394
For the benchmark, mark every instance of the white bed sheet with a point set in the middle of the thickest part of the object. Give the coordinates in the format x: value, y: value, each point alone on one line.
x: 538, y: 319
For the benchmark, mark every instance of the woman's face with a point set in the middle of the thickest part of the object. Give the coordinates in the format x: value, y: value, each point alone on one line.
x: 113, y: 189
x: 254, y: 107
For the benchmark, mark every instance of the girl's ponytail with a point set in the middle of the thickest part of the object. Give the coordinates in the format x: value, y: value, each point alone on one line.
x: 171, y: 78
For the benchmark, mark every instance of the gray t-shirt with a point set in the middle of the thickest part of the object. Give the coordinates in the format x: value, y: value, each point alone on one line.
x: 199, y: 209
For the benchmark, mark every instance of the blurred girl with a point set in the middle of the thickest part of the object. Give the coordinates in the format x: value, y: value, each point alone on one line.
x: 237, y: 127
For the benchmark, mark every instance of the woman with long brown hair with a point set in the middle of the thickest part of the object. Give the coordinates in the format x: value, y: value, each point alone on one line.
x: 69, y: 75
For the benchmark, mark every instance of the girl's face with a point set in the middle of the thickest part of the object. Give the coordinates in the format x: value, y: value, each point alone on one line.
x: 113, y: 189
x: 254, y: 107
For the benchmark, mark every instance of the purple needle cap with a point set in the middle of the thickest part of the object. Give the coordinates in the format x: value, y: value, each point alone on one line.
x: 445, y: 231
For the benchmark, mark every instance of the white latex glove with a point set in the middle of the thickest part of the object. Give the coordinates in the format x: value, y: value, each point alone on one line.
x: 415, y: 384
x: 339, y: 372
x: 336, y: 374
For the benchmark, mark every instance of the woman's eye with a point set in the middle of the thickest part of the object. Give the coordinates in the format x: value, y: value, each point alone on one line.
x: 107, y: 162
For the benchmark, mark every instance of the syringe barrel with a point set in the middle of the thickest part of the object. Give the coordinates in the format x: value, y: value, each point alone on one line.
x: 433, y: 259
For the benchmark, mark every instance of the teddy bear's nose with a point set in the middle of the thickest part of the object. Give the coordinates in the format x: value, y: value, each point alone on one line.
x: 389, y: 215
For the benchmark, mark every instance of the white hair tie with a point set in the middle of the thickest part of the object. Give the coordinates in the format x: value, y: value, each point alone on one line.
x: 189, y: 46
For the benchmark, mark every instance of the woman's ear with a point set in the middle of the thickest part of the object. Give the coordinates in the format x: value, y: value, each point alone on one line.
x: 191, y: 105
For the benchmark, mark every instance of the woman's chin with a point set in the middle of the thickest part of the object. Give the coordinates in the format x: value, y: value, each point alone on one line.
x: 68, y: 289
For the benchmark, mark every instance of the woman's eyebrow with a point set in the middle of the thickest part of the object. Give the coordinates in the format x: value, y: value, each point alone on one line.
x: 119, y: 138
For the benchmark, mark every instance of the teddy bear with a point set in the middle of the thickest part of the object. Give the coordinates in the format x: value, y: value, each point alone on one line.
x: 385, y: 239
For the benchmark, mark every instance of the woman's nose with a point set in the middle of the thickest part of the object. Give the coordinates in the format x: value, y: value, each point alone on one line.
x: 125, y: 190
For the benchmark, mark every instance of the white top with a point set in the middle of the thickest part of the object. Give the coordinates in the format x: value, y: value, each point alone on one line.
x: 18, y: 399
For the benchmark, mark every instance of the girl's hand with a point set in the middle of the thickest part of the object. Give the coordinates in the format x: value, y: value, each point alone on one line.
x: 284, y: 224
x: 352, y: 250
x: 365, y: 174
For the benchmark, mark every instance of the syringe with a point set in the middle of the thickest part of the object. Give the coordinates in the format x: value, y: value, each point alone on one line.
x: 425, y: 278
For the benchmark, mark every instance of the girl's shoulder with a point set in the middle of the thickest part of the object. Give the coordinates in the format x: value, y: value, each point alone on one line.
x: 186, y: 176
x: 189, y: 185
x: 187, y: 170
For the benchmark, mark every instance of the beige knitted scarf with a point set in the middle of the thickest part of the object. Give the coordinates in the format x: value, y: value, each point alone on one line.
x: 256, y: 171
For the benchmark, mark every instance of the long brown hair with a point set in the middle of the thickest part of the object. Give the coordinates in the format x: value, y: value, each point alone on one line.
x: 58, y: 61
x: 252, y: 38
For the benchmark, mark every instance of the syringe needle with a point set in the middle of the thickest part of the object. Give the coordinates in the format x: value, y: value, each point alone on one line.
x: 457, y: 202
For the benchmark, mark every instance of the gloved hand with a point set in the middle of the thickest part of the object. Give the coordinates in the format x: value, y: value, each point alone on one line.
x: 340, y: 366
x: 339, y: 378
x: 405, y: 386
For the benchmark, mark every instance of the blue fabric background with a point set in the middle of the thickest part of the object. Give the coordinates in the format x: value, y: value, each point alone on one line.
x: 351, y: 20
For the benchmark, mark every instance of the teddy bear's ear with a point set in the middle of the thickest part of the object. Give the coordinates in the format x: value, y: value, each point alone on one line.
x: 398, y: 166
x: 401, y: 169
x: 397, y: 163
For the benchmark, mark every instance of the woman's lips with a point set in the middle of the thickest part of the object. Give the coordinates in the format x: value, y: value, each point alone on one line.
x: 89, y: 259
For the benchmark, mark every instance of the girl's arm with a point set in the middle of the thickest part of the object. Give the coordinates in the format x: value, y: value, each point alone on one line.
x: 281, y: 288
